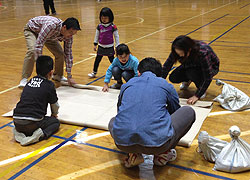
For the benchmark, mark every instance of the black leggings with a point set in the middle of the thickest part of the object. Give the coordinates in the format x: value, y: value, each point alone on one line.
x: 47, y: 4
x: 182, y: 74
x: 98, y: 60
x: 119, y: 74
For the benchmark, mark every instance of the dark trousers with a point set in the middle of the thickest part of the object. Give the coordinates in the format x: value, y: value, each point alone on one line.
x: 119, y: 74
x: 49, y: 125
x: 98, y: 60
x: 182, y: 120
x: 49, y: 4
x: 182, y: 74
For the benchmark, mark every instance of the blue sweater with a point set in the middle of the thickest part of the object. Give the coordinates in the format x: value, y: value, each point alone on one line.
x: 132, y: 64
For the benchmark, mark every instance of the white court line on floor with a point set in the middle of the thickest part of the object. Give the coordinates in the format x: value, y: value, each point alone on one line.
x: 11, y: 39
x: 151, y: 33
x: 83, y: 138
x: 92, y: 169
x: 4, y: 91
x: 141, y: 21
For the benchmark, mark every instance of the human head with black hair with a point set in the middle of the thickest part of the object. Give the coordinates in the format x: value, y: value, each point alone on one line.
x: 106, y: 15
x: 183, y: 47
x: 44, y: 66
x: 70, y: 27
x: 150, y: 64
x: 122, y: 53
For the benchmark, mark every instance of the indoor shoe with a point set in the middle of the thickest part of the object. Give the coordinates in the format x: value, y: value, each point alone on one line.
x: 185, y: 85
x: 58, y: 78
x: 23, y: 82
x: 116, y: 86
x: 164, y: 158
x: 92, y: 75
x: 133, y: 159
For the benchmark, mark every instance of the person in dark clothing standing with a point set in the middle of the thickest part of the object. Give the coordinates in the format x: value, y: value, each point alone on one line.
x: 49, y: 4
x: 199, y: 64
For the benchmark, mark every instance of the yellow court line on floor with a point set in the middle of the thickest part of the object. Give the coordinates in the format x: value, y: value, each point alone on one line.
x: 90, y: 170
x: 222, y: 137
x: 19, y: 163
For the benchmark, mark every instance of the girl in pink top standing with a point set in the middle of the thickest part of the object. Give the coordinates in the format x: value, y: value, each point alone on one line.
x: 106, y: 31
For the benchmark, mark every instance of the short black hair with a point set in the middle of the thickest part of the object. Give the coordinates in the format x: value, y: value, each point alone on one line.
x: 72, y: 23
x: 44, y: 64
x: 121, y: 49
x: 106, y: 12
x: 150, y: 64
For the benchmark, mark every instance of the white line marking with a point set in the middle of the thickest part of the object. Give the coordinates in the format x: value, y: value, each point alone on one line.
x: 86, y: 171
x: 92, y: 54
x: 141, y: 21
x: 4, y: 91
x: 11, y: 39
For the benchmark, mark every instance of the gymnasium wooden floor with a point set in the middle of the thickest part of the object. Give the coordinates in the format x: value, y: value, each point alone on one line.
x: 148, y: 27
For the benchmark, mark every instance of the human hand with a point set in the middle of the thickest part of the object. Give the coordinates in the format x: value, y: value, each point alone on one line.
x: 71, y: 81
x: 105, y: 87
x: 95, y: 48
x: 192, y: 100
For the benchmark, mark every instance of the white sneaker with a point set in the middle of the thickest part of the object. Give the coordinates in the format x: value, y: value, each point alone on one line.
x: 23, y: 82
x: 92, y: 75
x: 64, y: 79
x: 59, y: 78
x: 185, y: 85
